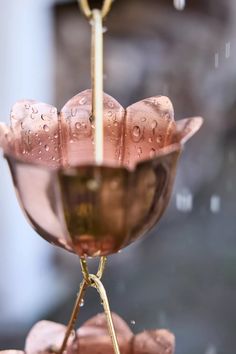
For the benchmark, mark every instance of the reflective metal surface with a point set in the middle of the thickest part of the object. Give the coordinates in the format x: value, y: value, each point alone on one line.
x: 88, y: 209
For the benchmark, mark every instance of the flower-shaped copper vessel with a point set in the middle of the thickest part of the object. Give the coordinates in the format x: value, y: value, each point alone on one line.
x: 74, y: 203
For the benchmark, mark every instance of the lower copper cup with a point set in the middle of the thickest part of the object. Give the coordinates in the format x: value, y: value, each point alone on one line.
x: 72, y: 202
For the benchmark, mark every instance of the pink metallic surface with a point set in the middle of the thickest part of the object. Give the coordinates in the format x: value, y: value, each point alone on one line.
x: 73, y: 203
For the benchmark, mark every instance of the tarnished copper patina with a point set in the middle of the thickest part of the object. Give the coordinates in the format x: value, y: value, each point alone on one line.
x: 70, y: 200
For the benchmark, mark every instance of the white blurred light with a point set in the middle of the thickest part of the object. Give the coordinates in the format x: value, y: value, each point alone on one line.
x: 215, y: 204
x: 227, y: 50
x: 179, y: 4
x: 184, y: 201
x: 211, y: 350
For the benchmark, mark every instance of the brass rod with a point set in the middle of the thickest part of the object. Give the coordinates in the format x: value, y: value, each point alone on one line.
x: 102, y: 292
x: 97, y: 82
x: 74, y: 316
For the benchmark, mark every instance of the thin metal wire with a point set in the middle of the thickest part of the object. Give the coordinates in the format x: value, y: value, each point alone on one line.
x: 87, y: 11
x: 74, y: 315
x: 97, y: 83
x: 95, y: 282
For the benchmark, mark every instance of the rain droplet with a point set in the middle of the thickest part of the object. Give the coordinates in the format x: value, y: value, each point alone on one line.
x: 136, y: 133
x: 133, y: 322
x: 140, y: 151
x: 152, y: 153
x: 73, y: 112
x: 46, y: 128
x: 23, y: 152
x: 215, y: 204
x: 81, y: 303
x: 153, y: 124
x: 179, y: 4
x: 77, y: 126
x: 53, y: 110
x: 46, y: 147
x: 53, y: 158
x: 83, y: 100
x: 55, y: 135
x: 184, y: 201
x: 40, y: 152
x: 34, y: 110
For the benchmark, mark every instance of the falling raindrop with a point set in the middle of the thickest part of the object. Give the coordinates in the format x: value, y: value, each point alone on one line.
x: 179, y: 4
x: 227, y: 50
x: 215, y: 204
x: 184, y: 201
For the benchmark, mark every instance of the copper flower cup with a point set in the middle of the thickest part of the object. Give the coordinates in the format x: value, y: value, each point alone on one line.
x: 72, y: 202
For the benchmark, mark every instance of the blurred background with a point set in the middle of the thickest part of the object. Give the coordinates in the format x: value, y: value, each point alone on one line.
x: 183, y: 275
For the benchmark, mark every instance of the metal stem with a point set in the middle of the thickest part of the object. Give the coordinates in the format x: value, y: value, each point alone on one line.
x: 74, y: 316
x: 97, y: 82
x: 102, y: 292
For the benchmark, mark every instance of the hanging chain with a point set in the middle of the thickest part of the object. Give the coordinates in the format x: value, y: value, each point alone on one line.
x: 86, y: 9
x: 91, y: 280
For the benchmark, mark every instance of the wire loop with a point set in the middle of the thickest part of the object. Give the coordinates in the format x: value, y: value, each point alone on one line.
x: 87, y: 11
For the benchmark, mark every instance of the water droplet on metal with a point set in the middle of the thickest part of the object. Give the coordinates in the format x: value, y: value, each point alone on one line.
x: 133, y: 322
x: 46, y: 147
x: 136, y: 133
x: 34, y: 110
x: 77, y: 126
x: 140, y: 151
x: 73, y: 112
x: 46, y: 128
x: 153, y: 124
x: 152, y: 153
x: 83, y: 100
